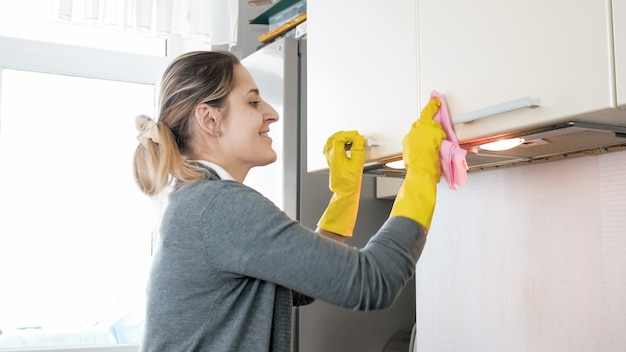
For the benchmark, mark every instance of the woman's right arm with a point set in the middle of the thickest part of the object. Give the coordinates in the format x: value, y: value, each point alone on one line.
x: 256, y: 239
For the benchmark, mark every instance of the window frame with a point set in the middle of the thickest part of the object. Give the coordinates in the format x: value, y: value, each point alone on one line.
x: 45, y: 57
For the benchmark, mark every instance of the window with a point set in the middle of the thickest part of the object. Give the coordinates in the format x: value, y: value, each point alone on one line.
x: 75, y: 230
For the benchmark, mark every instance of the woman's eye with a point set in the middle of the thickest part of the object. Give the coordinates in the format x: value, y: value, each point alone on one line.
x: 255, y: 103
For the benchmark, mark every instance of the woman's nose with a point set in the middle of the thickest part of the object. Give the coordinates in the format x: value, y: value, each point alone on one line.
x: 271, y: 115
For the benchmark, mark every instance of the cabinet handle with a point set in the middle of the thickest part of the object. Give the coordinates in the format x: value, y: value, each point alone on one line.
x: 497, y: 109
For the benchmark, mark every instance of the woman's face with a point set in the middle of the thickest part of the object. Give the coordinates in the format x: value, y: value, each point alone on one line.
x: 245, y: 125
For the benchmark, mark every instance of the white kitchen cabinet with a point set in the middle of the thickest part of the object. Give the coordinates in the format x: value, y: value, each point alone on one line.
x: 374, y: 70
x: 362, y: 74
x: 480, y: 54
x: 619, y: 34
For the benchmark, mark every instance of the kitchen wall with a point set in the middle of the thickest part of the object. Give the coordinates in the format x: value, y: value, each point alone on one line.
x: 530, y: 258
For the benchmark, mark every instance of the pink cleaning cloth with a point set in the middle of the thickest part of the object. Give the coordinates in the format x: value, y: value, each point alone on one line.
x: 452, y: 157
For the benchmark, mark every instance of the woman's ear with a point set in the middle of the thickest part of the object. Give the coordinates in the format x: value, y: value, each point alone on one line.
x: 207, y: 116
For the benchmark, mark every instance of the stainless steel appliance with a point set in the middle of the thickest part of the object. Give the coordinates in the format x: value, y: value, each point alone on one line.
x: 279, y: 69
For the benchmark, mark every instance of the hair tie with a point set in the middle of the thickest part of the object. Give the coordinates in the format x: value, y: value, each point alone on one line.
x: 148, y: 130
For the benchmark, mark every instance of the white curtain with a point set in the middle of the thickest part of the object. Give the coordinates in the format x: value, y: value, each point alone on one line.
x: 213, y: 20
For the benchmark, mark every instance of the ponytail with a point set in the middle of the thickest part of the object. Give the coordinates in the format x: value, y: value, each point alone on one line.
x: 157, y: 158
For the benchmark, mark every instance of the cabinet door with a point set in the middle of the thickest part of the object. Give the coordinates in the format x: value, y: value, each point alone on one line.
x: 479, y: 54
x: 619, y: 35
x: 362, y: 62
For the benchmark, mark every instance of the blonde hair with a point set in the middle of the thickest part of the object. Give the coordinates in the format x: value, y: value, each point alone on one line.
x: 192, y: 78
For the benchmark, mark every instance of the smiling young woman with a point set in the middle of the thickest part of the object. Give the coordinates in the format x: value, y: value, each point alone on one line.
x: 228, y: 264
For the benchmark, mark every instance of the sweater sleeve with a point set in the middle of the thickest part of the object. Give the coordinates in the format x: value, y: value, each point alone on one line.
x: 246, y: 234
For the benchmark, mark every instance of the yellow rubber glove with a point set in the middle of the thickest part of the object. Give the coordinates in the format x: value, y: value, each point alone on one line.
x: 344, y: 180
x: 420, y: 152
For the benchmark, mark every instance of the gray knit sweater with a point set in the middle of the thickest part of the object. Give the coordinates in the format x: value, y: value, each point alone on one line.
x: 228, y: 261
